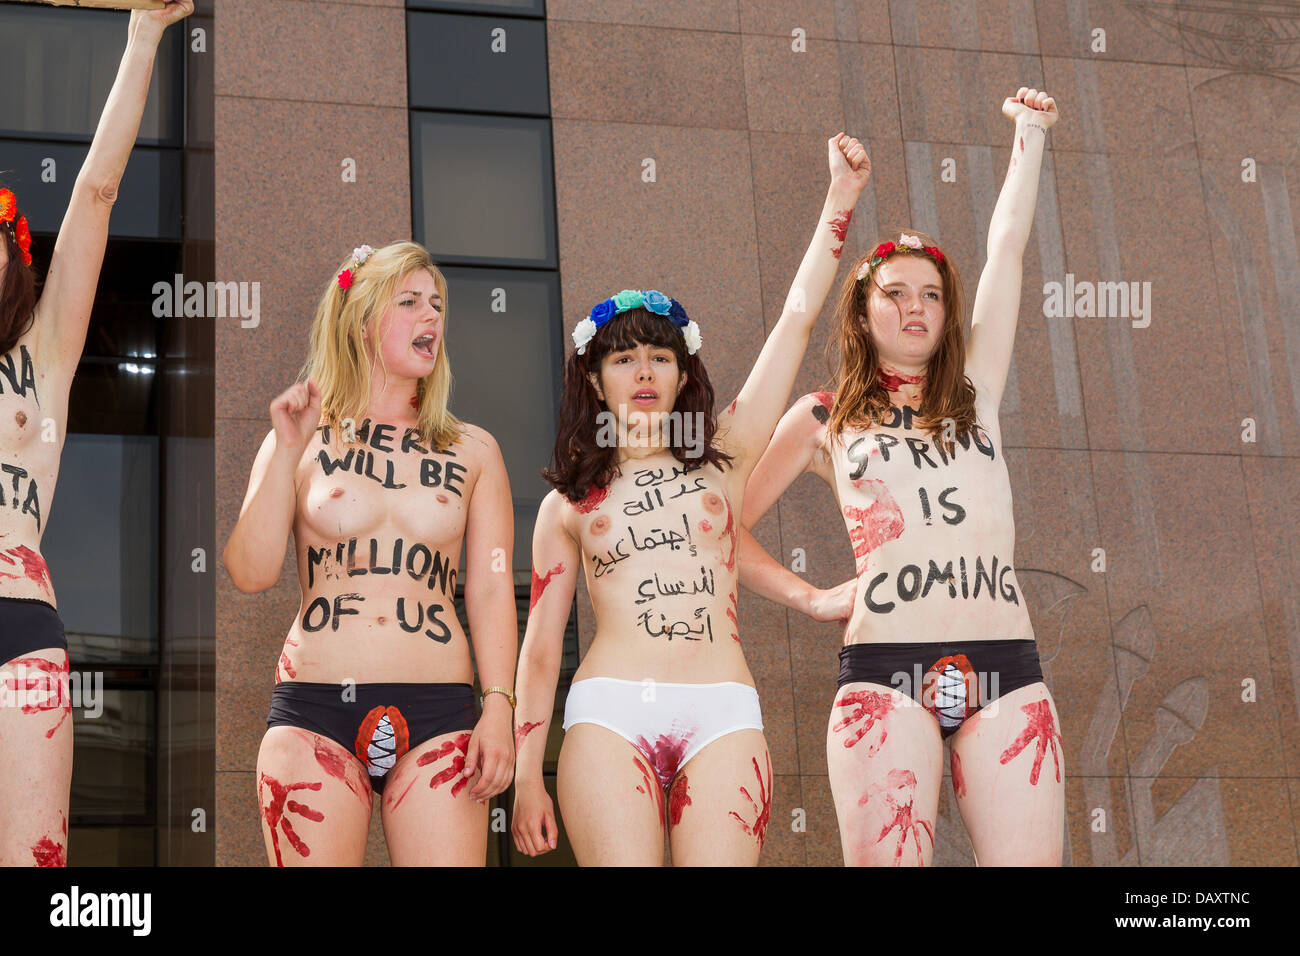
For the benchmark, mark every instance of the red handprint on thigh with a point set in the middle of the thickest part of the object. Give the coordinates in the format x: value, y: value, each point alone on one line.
x: 869, y: 706
x: 49, y: 685
x: 1041, y: 727
x: 276, y: 813
x: 762, y: 807
x: 898, y: 792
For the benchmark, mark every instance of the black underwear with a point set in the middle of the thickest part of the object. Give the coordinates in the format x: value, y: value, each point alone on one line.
x: 382, y: 724
x: 26, y: 625
x: 950, y: 680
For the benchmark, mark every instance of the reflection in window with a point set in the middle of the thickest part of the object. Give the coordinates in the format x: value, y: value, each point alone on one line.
x: 484, y: 64
x: 56, y: 71
x: 482, y: 189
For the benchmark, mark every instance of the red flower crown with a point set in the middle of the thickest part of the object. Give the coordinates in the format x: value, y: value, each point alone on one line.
x: 886, y: 249
x: 19, y: 230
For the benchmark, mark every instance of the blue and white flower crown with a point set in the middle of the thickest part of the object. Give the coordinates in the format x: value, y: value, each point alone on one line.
x: 652, y: 301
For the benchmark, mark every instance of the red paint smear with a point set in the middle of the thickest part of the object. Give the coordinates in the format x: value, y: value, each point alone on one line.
x: 1022, y: 144
x: 903, y: 817
x: 459, y: 743
x: 52, y: 681
x: 868, y: 706
x: 705, y: 526
x: 49, y: 853
x: 732, y: 409
x: 730, y: 531
x: 656, y: 793
x: 523, y: 730
x: 825, y: 399
x: 276, y: 813
x: 539, y: 584
x: 414, y: 402
x: 1041, y: 726
x: 34, y: 567
x: 958, y: 781
x: 881, y: 522
x: 840, y: 224
x: 893, y: 382
x: 679, y: 798
x: 590, y: 503
x: 731, y: 613
x: 665, y: 755
x: 764, y: 812
x: 336, y: 765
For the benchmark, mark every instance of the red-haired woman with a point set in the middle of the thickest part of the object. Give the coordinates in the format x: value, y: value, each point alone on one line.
x: 41, y: 342
x: 662, y: 721
x: 939, y: 644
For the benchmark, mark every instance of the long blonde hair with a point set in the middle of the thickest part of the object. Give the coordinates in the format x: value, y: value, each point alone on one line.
x: 861, y: 399
x: 339, y: 362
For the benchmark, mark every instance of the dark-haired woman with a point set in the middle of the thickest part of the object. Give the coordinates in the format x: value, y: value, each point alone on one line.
x: 939, y: 644
x: 662, y: 722
x: 41, y: 341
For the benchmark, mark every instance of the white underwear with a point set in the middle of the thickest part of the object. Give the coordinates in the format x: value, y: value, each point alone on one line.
x: 668, y: 723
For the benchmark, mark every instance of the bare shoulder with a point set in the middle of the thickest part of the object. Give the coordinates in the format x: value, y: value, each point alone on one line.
x: 554, y: 513
x: 477, y: 446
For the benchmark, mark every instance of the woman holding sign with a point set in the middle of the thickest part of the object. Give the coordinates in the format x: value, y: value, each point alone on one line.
x: 41, y: 340
x: 939, y: 644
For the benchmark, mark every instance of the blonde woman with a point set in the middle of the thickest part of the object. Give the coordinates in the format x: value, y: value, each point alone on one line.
x: 380, y: 485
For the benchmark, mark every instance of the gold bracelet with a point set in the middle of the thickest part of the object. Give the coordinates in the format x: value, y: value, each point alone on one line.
x: 497, y: 690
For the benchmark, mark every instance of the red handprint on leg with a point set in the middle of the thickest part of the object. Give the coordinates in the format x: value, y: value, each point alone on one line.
x: 869, y: 706
x: 1041, y: 726
x: 761, y: 807
x: 905, y: 781
x: 276, y: 813
x: 458, y: 749
x: 51, y: 681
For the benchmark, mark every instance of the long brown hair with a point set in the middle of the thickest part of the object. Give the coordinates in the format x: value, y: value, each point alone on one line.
x: 578, y: 462
x: 861, y: 399
x: 17, y: 294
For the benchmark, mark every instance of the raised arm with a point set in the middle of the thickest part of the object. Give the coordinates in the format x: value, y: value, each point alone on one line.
x: 254, y: 553
x: 490, y: 608
x: 557, y: 562
x: 750, y: 419
x: 795, y: 449
x: 63, y: 312
x: 997, y: 300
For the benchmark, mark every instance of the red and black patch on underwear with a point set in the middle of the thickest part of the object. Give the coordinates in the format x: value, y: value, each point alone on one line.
x: 382, y: 740
x: 949, y: 691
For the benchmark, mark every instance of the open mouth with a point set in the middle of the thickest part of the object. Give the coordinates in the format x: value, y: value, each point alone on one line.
x: 915, y: 328
x: 424, y: 345
x: 646, y: 396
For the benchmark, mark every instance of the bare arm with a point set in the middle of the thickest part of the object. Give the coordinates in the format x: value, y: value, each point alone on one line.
x: 490, y: 608
x: 997, y: 300
x: 254, y: 552
x: 557, y: 562
x: 751, y: 418
x: 63, y: 312
x: 790, y: 453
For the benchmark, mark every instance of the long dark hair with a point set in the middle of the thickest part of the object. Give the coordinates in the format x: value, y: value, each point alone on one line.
x: 578, y: 462
x: 17, y: 294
